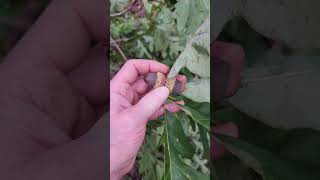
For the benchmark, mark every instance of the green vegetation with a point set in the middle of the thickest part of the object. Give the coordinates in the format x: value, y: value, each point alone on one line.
x: 177, y: 145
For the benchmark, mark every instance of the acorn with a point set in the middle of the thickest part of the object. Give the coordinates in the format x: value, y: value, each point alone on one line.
x: 155, y: 80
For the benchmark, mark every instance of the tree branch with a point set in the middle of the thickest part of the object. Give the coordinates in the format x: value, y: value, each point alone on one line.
x: 124, y: 11
x: 113, y: 42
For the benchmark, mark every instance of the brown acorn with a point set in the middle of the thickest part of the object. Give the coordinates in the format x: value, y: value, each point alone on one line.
x: 170, y: 83
x: 158, y: 79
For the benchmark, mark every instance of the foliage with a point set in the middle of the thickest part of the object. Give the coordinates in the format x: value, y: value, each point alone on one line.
x: 176, y: 146
x: 291, y: 22
x: 276, y: 107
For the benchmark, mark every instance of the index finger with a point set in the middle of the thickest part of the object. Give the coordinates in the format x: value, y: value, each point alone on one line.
x: 131, y: 71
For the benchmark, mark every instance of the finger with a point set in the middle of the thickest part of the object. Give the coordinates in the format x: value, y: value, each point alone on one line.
x: 230, y: 52
x: 149, y: 104
x: 63, y: 34
x: 157, y: 114
x: 171, y: 107
x: 131, y: 71
x: 229, y: 129
x: 91, y: 77
x: 183, y: 80
x: 174, y: 107
x: 227, y: 69
x: 94, y: 14
x: 217, y: 150
x: 140, y: 86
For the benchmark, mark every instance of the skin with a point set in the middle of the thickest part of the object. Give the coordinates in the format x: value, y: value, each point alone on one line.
x: 53, y: 100
x: 52, y: 95
x: 132, y: 105
x: 230, y: 129
x: 233, y: 55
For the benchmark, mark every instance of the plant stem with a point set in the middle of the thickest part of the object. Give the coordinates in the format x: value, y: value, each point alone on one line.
x: 118, y: 49
x: 124, y: 11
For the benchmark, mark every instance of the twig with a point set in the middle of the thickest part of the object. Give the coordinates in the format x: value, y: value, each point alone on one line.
x: 118, y: 49
x: 124, y: 11
x: 119, y: 41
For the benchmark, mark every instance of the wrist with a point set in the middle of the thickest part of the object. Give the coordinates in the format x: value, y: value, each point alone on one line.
x: 115, y: 169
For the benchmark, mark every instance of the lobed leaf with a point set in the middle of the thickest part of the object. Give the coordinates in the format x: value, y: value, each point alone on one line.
x: 175, y: 144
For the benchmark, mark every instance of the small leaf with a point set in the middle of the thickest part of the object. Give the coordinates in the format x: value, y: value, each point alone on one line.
x: 200, y: 49
x: 190, y: 15
x: 205, y: 141
x: 177, y: 136
x: 198, y: 90
x: 197, y: 117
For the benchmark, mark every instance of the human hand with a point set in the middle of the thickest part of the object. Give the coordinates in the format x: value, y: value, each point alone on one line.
x: 228, y: 61
x: 227, y: 66
x: 131, y: 106
x: 53, y: 91
x: 229, y: 129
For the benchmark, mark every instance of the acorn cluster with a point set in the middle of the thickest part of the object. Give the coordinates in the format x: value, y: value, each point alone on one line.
x: 155, y: 80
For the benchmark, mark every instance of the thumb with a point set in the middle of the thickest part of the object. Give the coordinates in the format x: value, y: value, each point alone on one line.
x: 150, y: 103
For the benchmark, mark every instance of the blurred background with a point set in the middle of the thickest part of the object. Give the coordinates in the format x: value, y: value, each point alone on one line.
x: 16, y: 16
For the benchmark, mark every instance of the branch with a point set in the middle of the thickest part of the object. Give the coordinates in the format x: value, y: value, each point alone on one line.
x: 118, y: 48
x: 124, y: 11
x: 119, y: 41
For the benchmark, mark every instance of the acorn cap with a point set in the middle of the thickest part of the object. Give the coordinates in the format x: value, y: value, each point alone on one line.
x: 155, y: 80
x: 170, y: 83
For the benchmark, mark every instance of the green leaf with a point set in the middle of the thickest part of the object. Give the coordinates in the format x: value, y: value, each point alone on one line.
x: 199, y: 118
x: 304, y: 141
x: 200, y: 49
x: 196, y: 62
x: 178, y: 137
x: 175, y: 168
x: 190, y: 14
x: 118, y: 5
x: 287, y: 22
x: 282, y: 91
x: 223, y: 11
x: 205, y: 141
x: 146, y: 162
x: 198, y: 90
x: 231, y: 168
x: 267, y: 164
